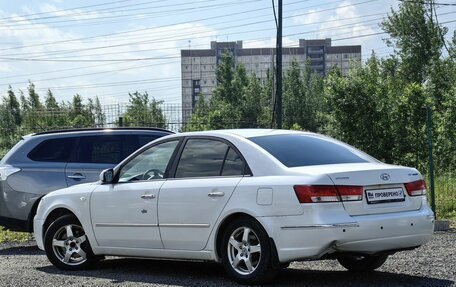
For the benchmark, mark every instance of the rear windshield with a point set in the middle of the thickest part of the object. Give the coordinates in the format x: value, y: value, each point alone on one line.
x: 303, y: 150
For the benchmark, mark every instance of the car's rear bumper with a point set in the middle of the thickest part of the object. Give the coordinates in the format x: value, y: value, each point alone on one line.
x: 361, y: 234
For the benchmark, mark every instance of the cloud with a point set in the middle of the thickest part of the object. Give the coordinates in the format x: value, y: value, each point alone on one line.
x: 268, y: 43
x: 340, y: 28
x: 153, y: 42
x: 312, y: 17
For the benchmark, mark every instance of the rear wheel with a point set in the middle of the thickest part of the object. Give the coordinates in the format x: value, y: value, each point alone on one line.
x: 246, y: 252
x: 362, y: 263
x: 66, y: 245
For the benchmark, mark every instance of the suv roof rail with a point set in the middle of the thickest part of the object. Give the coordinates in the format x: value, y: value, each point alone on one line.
x: 100, y: 129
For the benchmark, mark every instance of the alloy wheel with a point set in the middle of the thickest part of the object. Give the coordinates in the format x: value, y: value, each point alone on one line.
x: 68, y: 244
x: 244, y: 250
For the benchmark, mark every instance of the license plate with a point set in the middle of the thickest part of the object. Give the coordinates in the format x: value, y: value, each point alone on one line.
x: 385, y: 195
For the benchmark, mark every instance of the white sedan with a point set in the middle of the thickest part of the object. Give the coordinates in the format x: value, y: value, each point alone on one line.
x: 251, y: 199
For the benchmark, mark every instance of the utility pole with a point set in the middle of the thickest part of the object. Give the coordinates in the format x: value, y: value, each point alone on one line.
x: 279, y: 67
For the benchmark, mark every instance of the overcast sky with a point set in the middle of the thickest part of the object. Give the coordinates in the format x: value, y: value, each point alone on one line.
x: 109, y: 48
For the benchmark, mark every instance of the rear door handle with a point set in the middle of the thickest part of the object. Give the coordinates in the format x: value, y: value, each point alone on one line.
x: 216, y: 194
x: 77, y: 176
x: 148, y: 196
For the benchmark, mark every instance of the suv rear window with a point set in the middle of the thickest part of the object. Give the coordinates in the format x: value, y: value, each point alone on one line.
x: 100, y: 149
x: 303, y: 150
x: 56, y: 150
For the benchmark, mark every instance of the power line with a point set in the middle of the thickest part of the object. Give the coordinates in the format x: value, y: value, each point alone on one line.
x: 168, y: 25
x: 69, y: 9
x: 174, y: 37
x: 423, y: 2
x: 164, y: 12
x: 177, y: 37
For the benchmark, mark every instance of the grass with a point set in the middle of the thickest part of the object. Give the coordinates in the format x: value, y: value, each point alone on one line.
x: 445, y: 196
x: 10, y: 236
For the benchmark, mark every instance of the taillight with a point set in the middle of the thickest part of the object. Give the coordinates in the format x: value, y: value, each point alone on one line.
x: 316, y: 193
x: 350, y: 193
x: 327, y: 193
x: 416, y: 188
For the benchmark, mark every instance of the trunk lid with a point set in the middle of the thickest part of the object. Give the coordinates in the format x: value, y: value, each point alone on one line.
x: 383, y: 186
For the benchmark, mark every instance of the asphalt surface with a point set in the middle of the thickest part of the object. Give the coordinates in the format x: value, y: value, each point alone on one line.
x: 433, y: 264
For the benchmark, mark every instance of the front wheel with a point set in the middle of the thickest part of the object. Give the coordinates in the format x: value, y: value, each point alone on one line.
x: 66, y: 245
x: 246, y: 252
x: 362, y: 263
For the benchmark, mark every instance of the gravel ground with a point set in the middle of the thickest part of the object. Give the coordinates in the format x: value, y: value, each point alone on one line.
x: 431, y: 265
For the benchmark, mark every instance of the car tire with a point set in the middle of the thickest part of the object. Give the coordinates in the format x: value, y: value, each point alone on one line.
x: 67, y: 246
x: 246, y: 252
x: 362, y: 263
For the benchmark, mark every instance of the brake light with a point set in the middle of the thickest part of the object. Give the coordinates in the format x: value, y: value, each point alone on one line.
x: 316, y: 193
x: 327, y: 193
x: 350, y: 193
x: 416, y: 188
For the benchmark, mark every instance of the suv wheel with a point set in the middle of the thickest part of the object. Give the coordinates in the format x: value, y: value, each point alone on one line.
x: 67, y: 246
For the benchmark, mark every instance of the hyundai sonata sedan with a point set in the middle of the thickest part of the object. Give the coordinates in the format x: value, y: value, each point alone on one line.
x: 251, y: 199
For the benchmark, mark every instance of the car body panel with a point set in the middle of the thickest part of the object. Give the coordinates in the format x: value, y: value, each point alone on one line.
x: 77, y: 173
x: 189, y: 208
x: 299, y: 231
x: 126, y: 219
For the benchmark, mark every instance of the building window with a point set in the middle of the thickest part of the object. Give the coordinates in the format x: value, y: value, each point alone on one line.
x: 186, y: 67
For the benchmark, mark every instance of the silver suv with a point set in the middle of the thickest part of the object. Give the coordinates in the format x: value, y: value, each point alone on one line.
x: 44, y: 162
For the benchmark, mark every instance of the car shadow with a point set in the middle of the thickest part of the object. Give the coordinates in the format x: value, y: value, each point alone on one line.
x: 21, y: 249
x: 181, y: 273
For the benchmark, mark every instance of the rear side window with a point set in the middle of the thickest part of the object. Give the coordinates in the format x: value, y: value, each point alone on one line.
x: 303, y: 150
x: 56, y: 150
x: 207, y: 158
x: 233, y: 164
x: 100, y: 149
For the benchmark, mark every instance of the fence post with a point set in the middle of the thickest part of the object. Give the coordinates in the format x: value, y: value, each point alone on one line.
x: 431, y: 159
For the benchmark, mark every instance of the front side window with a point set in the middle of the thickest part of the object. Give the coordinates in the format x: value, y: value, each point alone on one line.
x: 150, y: 164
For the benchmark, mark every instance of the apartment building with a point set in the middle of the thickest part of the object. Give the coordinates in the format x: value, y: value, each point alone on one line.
x: 198, y: 66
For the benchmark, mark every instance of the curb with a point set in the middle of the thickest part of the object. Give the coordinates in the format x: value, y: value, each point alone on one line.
x: 442, y: 225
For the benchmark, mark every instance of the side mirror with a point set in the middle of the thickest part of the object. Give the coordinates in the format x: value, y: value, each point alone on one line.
x: 107, y: 175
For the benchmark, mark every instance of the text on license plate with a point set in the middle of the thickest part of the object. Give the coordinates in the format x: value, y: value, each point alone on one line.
x: 385, y: 195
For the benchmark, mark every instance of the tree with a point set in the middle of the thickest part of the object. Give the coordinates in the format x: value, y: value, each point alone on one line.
x: 10, y: 120
x: 416, y: 35
x: 143, y: 111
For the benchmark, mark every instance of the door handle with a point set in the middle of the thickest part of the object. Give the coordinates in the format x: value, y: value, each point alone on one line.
x: 216, y: 194
x: 148, y: 196
x: 77, y: 176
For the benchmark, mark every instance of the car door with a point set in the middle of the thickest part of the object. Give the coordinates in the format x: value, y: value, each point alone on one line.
x: 94, y: 154
x: 205, y: 176
x: 124, y: 214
